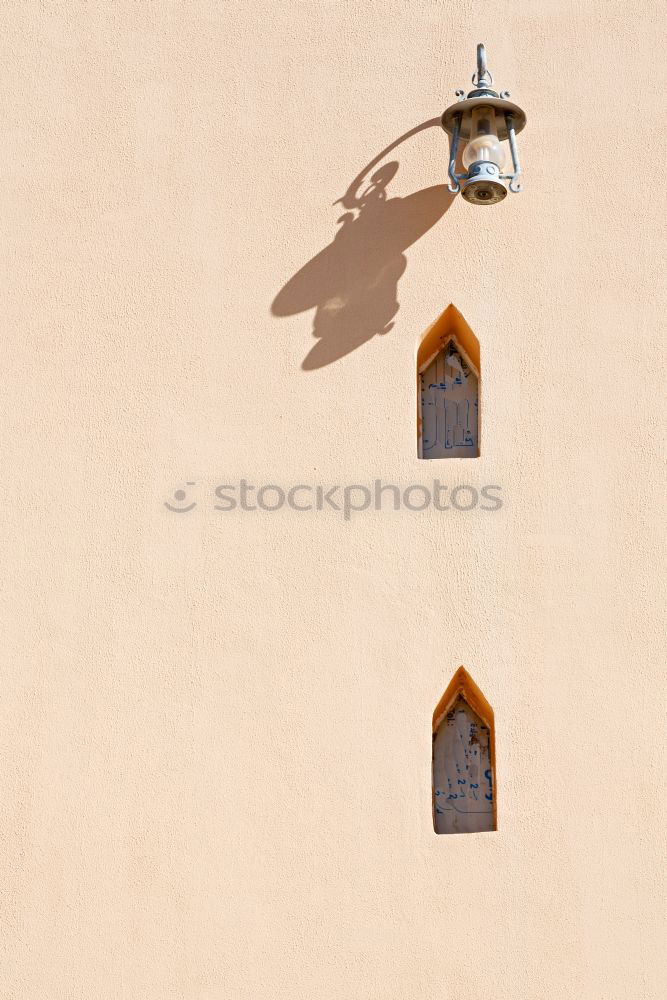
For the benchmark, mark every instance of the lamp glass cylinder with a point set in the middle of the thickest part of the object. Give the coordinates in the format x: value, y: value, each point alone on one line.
x: 484, y: 144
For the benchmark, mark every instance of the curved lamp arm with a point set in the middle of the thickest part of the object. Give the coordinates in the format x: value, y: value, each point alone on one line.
x: 515, y: 185
x: 454, y: 187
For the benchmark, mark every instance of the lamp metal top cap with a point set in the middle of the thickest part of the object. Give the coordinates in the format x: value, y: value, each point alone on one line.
x: 483, y: 94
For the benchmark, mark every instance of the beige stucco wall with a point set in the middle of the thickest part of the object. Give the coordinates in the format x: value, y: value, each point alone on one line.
x: 215, y: 727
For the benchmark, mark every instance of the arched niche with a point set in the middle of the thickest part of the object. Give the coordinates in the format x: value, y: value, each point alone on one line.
x: 463, y: 763
x: 448, y: 373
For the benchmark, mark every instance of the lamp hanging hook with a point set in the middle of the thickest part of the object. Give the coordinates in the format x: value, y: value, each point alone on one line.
x: 483, y: 74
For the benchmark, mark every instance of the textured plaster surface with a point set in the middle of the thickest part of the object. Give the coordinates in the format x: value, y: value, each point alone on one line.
x: 215, y: 727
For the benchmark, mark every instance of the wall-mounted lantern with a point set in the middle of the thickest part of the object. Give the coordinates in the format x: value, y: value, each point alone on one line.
x: 483, y: 119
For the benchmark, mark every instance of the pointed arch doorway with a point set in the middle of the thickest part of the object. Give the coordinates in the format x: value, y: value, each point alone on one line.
x: 463, y: 763
x: 448, y: 372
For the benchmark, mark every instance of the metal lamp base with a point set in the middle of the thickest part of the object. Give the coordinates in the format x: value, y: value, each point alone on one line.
x: 483, y: 185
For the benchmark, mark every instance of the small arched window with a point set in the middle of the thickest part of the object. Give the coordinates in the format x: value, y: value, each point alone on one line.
x: 448, y: 389
x: 464, y: 779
